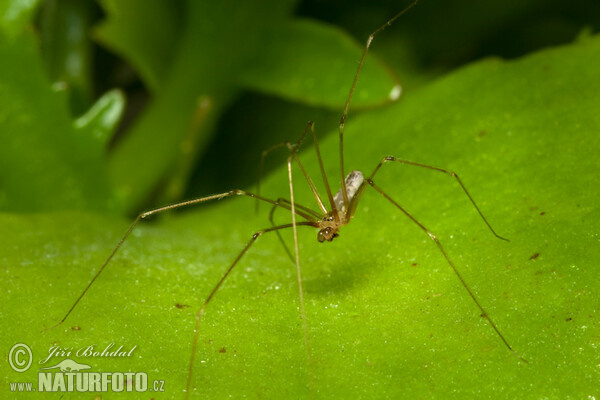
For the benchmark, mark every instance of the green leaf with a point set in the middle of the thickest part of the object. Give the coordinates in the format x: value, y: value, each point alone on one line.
x: 100, y: 121
x: 387, y: 317
x: 45, y: 164
x: 66, y: 48
x: 308, y: 61
x: 146, y: 33
x: 15, y: 15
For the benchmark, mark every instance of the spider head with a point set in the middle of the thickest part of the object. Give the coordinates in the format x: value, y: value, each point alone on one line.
x: 327, y: 233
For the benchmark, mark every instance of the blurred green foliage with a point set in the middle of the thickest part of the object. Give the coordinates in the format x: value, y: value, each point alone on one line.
x: 107, y: 108
x: 208, y: 87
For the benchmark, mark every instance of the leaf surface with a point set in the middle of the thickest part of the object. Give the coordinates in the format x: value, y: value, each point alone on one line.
x: 387, y: 317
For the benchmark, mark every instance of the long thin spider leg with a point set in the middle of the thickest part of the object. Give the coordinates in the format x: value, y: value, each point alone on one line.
x: 294, y: 155
x: 462, y: 281
x: 261, y: 165
x: 299, y: 275
x: 311, y: 184
x: 334, y: 209
x: 445, y: 171
x: 285, y: 203
x: 274, y: 208
x: 293, y: 148
x: 255, y: 236
x: 272, y: 220
x: 353, y: 87
x: 275, y: 147
x: 235, y: 192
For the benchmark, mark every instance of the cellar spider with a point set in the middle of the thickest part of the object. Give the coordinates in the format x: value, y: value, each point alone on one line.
x: 334, y: 213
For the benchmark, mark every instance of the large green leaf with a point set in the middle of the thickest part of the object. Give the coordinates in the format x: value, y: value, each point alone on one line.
x: 308, y: 61
x: 67, y: 49
x: 16, y: 14
x: 145, y: 33
x: 387, y: 317
x: 45, y: 162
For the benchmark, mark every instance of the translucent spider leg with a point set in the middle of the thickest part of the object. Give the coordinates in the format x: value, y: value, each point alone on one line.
x: 261, y: 165
x: 294, y: 154
x: 235, y: 192
x: 299, y: 276
x: 439, y: 245
x: 353, y: 87
x: 294, y: 157
x: 200, y: 313
x: 445, y: 171
x: 285, y: 247
x: 266, y: 152
x: 286, y: 202
x: 334, y: 210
